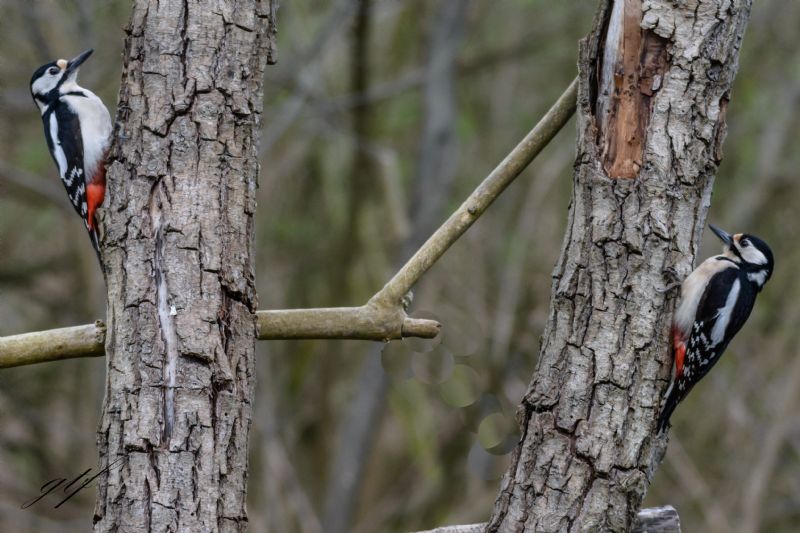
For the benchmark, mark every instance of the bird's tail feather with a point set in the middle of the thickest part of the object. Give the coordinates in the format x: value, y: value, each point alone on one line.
x: 95, y: 238
x: 669, y: 406
x: 673, y: 396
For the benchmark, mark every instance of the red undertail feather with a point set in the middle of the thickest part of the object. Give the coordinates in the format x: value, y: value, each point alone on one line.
x: 679, y: 350
x: 673, y: 393
x: 95, y: 192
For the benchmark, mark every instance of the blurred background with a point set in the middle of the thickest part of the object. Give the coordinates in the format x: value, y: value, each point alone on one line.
x: 380, y: 118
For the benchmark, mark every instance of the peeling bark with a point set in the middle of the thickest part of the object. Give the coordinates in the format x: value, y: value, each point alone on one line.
x: 178, y: 250
x: 634, y: 62
x: 588, y: 447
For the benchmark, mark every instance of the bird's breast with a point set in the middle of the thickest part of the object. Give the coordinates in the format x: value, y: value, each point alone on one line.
x: 692, y: 290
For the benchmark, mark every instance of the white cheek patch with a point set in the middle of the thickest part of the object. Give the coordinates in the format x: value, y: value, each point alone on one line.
x: 40, y: 86
x: 753, y: 255
x: 45, y: 84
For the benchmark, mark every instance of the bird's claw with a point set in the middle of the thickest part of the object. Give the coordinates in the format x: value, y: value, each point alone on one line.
x: 671, y: 275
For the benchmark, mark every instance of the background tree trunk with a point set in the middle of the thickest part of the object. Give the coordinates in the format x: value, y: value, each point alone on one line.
x: 431, y: 187
x: 179, y: 257
x: 654, y: 85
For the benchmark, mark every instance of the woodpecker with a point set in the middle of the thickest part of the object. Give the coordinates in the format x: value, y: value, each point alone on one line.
x: 716, y: 300
x: 77, y: 127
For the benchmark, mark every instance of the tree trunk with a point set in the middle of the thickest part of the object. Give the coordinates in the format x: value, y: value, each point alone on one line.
x: 655, y: 80
x: 182, y: 177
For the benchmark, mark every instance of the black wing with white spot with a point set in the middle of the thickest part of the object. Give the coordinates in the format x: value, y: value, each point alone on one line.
x: 721, y: 313
x: 723, y: 308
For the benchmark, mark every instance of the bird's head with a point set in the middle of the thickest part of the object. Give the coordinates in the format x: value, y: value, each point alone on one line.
x: 750, y: 253
x: 53, y: 78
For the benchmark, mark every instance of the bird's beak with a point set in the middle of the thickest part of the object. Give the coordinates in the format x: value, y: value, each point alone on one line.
x: 75, y: 62
x: 724, y: 236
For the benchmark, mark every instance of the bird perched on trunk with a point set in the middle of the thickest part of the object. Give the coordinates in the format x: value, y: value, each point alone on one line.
x: 77, y: 127
x: 716, y: 300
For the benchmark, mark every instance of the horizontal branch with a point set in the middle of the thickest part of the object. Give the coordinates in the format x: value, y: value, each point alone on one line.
x: 53, y: 345
x: 383, y: 318
x: 367, y: 322
x: 654, y: 520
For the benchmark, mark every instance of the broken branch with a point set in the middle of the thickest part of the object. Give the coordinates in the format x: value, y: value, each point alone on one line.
x: 53, y: 345
x: 368, y: 322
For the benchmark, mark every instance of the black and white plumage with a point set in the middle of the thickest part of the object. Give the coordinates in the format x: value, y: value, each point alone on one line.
x: 77, y: 127
x: 716, y: 300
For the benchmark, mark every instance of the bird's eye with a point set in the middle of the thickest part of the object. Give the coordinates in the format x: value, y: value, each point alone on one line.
x: 53, y: 70
x: 745, y: 243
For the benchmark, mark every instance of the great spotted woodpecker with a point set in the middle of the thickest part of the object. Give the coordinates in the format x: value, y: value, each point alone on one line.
x: 716, y: 300
x: 77, y: 127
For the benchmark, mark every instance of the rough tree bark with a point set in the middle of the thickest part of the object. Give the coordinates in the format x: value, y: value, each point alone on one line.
x: 178, y: 254
x: 655, y: 79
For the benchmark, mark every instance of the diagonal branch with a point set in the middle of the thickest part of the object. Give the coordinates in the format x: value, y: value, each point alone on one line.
x: 481, y: 198
x: 383, y: 318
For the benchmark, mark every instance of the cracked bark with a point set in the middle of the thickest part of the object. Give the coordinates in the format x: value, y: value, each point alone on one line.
x: 178, y: 242
x: 655, y: 78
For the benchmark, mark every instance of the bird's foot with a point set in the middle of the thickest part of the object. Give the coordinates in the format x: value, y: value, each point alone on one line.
x: 673, y: 280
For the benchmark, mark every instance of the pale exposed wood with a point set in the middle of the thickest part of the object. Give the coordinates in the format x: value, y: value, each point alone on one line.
x: 624, y: 131
x: 606, y: 74
x: 634, y: 62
